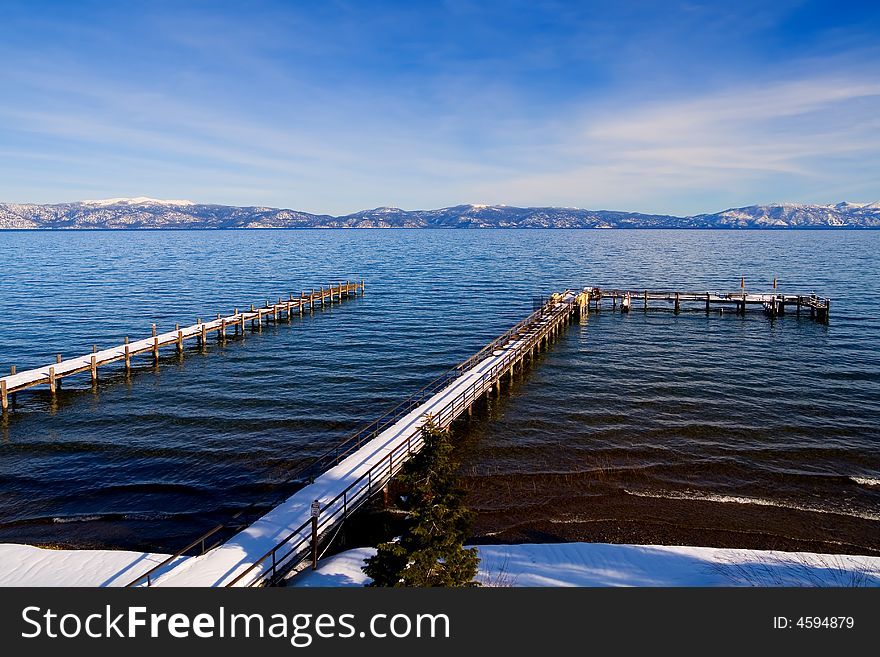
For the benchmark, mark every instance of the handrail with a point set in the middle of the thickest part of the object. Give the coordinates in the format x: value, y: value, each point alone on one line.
x: 442, y: 417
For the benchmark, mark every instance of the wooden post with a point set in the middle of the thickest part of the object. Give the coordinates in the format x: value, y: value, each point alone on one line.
x: 222, y: 336
x: 4, y: 401
x: 155, y: 350
x: 260, y: 320
x: 57, y: 358
x: 707, y: 303
x: 677, y: 303
x: 646, y: 299
x: 127, y: 356
x: 154, y: 330
x: 302, y: 302
x: 94, y: 368
x: 52, y: 380
x: 363, y: 286
x: 179, y: 339
x: 204, y: 336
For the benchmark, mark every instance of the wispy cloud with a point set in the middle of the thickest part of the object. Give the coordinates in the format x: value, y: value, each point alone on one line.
x: 810, y: 131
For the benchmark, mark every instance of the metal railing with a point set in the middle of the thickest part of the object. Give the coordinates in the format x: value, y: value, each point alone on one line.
x: 350, y: 445
x: 293, y: 549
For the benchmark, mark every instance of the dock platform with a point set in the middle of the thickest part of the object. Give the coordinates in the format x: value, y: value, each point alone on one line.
x: 52, y: 374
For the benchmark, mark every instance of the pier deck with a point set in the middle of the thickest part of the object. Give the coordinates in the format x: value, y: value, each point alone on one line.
x: 284, y: 538
x: 52, y: 374
x: 772, y: 302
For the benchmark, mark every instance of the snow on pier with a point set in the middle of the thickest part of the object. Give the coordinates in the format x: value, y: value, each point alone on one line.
x: 53, y: 373
x: 286, y: 537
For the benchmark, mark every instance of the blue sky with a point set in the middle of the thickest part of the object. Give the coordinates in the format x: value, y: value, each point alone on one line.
x: 677, y: 107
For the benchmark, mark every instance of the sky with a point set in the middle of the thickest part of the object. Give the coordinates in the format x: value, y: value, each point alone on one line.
x: 333, y: 107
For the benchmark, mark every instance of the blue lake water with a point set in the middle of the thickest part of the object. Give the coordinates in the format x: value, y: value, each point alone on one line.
x: 646, y: 427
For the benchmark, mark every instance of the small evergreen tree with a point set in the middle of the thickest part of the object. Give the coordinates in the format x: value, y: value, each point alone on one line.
x: 430, y: 551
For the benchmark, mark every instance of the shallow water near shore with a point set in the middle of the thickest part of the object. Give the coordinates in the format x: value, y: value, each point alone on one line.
x: 646, y: 427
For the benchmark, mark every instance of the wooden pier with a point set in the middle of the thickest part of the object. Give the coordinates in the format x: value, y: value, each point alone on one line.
x: 772, y: 303
x: 52, y: 374
x: 351, y: 473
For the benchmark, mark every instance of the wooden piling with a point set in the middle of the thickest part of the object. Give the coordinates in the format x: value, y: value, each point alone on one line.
x: 677, y: 302
x: 152, y: 346
x: 4, y: 400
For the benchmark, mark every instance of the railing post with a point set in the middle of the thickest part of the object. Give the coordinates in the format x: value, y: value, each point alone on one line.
x: 316, y: 510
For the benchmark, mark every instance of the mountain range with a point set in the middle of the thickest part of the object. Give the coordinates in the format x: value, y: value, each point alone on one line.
x: 146, y: 213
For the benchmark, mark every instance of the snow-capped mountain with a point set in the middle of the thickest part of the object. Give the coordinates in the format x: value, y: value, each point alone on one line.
x: 138, y: 200
x: 142, y: 212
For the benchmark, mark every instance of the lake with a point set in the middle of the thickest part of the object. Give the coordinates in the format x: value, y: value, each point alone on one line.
x: 647, y: 428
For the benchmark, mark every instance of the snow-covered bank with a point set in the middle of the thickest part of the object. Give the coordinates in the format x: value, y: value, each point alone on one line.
x: 25, y: 565
x: 556, y: 564
x: 601, y: 564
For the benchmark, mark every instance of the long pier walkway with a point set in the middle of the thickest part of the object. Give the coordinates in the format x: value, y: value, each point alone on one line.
x: 52, y: 374
x: 289, y: 536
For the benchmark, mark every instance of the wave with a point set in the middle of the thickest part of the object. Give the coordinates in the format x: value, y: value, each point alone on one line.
x: 66, y: 519
x: 759, y: 501
x: 865, y: 481
x: 147, y: 515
